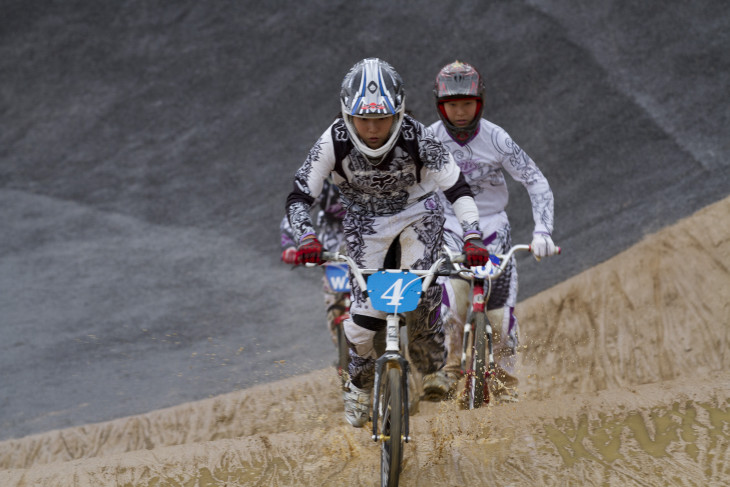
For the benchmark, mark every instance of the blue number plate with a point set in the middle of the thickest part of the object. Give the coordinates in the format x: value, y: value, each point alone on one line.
x: 394, y: 291
x: 338, y: 277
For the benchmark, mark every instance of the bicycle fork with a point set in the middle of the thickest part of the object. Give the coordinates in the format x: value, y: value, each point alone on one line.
x: 392, y: 356
x: 478, y: 305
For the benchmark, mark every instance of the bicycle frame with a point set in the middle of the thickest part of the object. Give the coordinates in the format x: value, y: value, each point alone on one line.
x: 392, y: 291
x: 339, y: 282
x: 477, y: 387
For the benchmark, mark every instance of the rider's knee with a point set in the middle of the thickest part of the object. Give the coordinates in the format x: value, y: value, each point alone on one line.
x: 360, y: 331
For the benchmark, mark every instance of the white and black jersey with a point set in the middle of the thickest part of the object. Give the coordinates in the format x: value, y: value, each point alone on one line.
x: 387, y: 201
x: 416, y: 167
x: 483, y: 160
x: 329, y: 220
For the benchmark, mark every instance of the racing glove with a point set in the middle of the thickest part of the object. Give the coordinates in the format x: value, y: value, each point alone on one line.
x: 476, y: 253
x: 289, y: 256
x: 309, y: 251
x: 542, y: 245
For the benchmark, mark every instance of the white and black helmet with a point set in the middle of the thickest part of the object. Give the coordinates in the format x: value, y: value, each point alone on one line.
x: 458, y: 81
x: 372, y: 88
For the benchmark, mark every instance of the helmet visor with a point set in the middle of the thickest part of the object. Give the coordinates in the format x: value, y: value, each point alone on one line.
x: 458, y: 80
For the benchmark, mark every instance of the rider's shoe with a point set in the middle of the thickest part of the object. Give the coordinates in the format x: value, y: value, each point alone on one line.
x: 507, y: 397
x: 439, y: 386
x: 357, y: 405
x: 504, y: 395
x: 504, y: 387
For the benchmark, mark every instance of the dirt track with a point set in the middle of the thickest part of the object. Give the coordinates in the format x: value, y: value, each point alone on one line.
x: 624, y: 379
x: 147, y: 148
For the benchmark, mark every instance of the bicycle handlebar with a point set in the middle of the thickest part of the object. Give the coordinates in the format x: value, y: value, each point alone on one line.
x: 498, y: 269
x: 434, y: 271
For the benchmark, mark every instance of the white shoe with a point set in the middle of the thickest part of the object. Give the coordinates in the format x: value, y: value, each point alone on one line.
x: 357, y: 405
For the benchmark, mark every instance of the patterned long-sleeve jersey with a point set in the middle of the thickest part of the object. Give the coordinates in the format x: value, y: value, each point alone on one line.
x: 329, y: 221
x: 418, y: 166
x: 482, y: 161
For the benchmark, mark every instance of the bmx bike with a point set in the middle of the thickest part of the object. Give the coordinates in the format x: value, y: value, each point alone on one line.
x: 477, y: 358
x: 396, y: 292
x: 338, y: 281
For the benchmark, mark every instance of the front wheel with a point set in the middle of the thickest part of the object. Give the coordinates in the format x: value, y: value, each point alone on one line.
x: 478, y: 387
x: 391, y: 428
x: 343, y: 354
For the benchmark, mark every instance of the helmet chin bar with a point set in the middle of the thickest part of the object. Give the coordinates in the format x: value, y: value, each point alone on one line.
x: 461, y: 135
x: 362, y: 147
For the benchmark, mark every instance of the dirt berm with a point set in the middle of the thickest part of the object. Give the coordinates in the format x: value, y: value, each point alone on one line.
x: 624, y: 382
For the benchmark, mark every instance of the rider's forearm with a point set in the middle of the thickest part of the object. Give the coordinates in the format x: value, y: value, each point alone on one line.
x: 466, y: 212
x: 300, y: 220
x: 542, y: 209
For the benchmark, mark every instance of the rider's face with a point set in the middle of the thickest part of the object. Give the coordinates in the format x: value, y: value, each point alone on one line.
x: 460, y: 112
x: 373, y: 131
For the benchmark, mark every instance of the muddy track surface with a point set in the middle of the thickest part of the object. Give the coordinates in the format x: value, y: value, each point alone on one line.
x: 623, y: 382
x: 147, y: 148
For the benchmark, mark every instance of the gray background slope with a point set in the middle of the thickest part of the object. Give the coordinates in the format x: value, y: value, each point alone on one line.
x: 146, y: 149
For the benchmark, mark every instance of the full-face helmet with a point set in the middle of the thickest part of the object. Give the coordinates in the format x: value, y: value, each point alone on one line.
x: 459, y: 81
x: 372, y: 88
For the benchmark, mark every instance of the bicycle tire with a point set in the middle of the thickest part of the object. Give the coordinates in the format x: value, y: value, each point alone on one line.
x: 343, y: 354
x: 479, y: 384
x: 391, y: 428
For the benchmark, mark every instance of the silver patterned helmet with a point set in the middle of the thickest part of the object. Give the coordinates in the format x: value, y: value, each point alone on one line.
x: 372, y: 88
x: 459, y: 81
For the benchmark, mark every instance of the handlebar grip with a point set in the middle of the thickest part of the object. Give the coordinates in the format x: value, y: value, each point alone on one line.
x: 325, y: 255
x: 558, y: 250
x: 328, y: 255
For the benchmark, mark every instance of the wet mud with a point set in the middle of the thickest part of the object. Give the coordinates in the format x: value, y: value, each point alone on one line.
x: 623, y: 382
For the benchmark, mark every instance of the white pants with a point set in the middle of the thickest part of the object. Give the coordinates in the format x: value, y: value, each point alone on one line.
x: 418, y: 230
x: 501, y: 304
